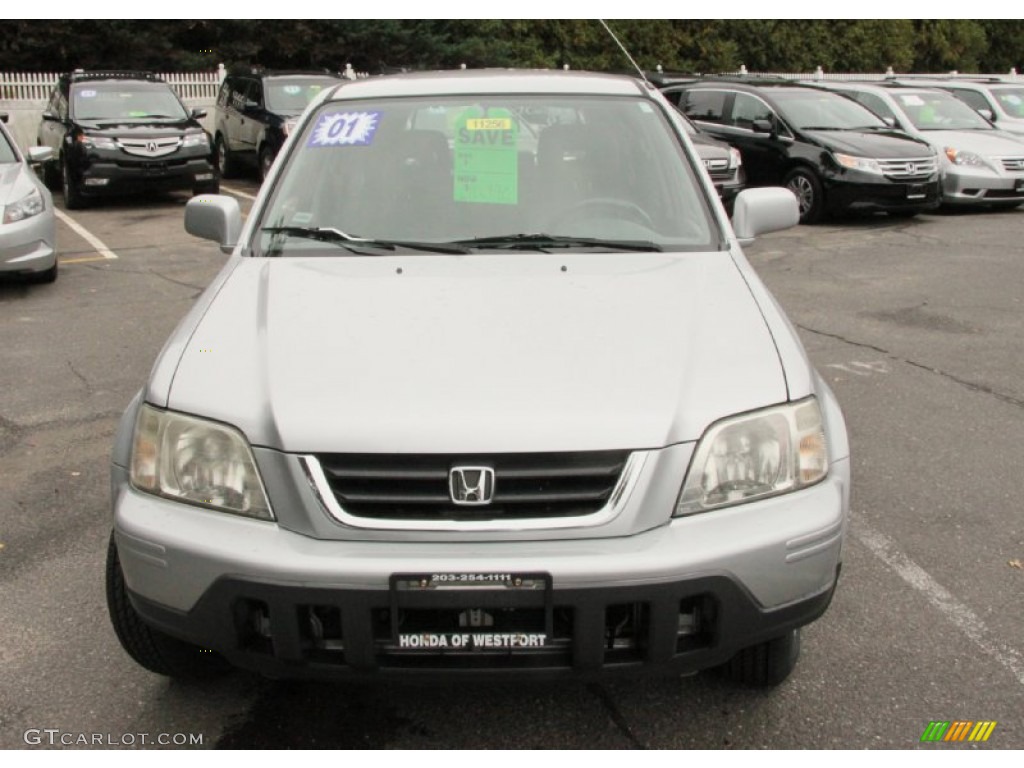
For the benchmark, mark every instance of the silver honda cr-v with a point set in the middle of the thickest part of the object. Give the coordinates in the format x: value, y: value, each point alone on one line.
x: 486, y: 384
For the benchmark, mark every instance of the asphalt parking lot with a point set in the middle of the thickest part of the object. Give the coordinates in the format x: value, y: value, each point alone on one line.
x: 919, y: 327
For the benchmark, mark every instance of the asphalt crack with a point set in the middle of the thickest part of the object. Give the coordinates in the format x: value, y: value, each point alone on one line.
x: 967, y: 384
x: 613, y: 712
x: 79, y: 375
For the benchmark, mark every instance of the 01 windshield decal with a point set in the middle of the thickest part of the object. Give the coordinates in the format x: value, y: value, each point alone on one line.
x: 344, y: 129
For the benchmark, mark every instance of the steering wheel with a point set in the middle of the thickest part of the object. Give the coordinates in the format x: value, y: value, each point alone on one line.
x: 615, y: 207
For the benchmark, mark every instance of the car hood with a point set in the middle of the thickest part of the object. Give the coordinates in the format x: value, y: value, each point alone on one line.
x: 871, y: 143
x: 15, y: 183
x: 983, y: 142
x: 479, y: 354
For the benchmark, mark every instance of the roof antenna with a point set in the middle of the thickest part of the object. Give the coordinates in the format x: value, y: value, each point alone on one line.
x: 619, y: 43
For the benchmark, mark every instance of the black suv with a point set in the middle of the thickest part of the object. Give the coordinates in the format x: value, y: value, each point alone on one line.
x: 256, y: 111
x: 116, y: 132
x: 834, y: 154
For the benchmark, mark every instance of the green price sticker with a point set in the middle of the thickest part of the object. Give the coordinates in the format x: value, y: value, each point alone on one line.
x: 486, y: 157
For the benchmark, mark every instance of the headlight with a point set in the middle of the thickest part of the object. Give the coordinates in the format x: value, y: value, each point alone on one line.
x: 765, y: 453
x: 97, y: 142
x: 735, y: 158
x: 963, y: 157
x: 195, y: 140
x: 854, y: 163
x: 198, y: 462
x: 30, y: 205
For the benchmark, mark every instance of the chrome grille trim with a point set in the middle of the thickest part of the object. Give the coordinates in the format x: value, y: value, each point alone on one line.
x: 150, y: 147
x: 908, y: 167
x: 617, y: 499
x: 1012, y: 164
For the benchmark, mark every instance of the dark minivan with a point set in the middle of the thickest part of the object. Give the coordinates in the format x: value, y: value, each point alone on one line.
x: 116, y: 132
x: 256, y: 111
x: 834, y: 154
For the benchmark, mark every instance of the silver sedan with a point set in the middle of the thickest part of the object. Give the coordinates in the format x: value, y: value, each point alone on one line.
x: 28, y: 229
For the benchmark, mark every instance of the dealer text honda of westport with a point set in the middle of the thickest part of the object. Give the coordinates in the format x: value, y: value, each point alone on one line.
x: 486, y: 385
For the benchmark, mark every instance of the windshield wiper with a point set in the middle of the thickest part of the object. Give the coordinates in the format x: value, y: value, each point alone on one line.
x: 541, y: 242
x: 358, y: 244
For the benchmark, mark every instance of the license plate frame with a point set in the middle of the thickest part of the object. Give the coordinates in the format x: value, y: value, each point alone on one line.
x: 486, y: 590
x: 1018, y: 187
x: 916, y: 192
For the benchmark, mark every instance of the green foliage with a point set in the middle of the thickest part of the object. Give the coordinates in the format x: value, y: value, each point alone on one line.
x: 381, y: 45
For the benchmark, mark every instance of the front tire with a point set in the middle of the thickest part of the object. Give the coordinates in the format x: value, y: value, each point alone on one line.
x: 46, y: 276
x: 73, y: 198
x: 226, y: 165
x: 149, y: 647
x: 809, y: 194
x: 766, y: 664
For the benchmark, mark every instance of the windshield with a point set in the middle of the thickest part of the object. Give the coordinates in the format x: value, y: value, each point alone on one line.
x: 1011, y: 99
x: 292, y: 95
x: 7, y: 154
x: 120, y: 101
x: 939, y: 111
x: 491, y: 169
x: 821, y: 111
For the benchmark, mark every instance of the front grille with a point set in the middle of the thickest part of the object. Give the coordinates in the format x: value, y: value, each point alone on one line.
x: 908, y: 169
x: 526, y: 486
x: 1013, y: 164
x: 150, y: 147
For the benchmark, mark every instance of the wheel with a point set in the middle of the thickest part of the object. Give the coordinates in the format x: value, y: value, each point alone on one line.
x: 51, y: 175
x: 46, y: 276
x: 266, y: 161
x: 620, y: 209
x: 149, y: 647
x: 809, y: 195
x: 765, y: 664
x: 73, y: 198
x: 209, y: 188
x: 226, y: 164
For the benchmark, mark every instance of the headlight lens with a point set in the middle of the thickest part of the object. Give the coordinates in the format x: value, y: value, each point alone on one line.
x: 963, y: 157
x: 197, y: 462
x: 855, y: 163
x: 195, y: 140
x: 735, y: 158
x: 97, y: 142
x: 755, y: 455
x: 30, y: 205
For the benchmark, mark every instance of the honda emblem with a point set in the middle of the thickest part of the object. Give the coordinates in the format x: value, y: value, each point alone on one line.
x: 471, y: 486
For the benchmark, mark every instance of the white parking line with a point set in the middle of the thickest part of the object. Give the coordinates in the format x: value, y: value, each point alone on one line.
x: 237, y: 192
x: 959, y: 614
x: 86, y: 235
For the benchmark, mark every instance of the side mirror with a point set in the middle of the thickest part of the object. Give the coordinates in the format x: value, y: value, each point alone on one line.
x: 251, y: 106
x: 988, y: 114
x: 891, y: 122
x: 763, y: 126
x: 3, y: 117
x: 762, y: 210
x: 48, y: 115
x: 214, y: 217
x: 198, y: 114
x: 39, y: 155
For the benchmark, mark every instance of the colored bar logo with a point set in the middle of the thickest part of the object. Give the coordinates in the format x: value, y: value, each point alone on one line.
x: 958, y: 730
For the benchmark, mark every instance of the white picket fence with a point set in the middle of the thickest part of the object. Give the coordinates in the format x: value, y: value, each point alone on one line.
x: 36, y: 86
x: 821, y: 74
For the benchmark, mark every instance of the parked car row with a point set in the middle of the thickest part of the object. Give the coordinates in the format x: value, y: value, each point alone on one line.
x: 895, y: 146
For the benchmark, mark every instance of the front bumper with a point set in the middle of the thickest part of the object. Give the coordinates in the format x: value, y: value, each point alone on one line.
x: 106, y: 174
x: 29, y: 245
x: 847, y: 194
x: 978, y: 186
x: 691, y: 592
